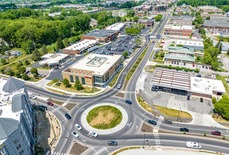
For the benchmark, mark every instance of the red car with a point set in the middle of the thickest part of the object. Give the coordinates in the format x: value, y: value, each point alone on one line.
x: 217, y: 133
x: 50, y: 103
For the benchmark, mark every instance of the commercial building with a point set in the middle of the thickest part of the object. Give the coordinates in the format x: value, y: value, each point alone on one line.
x: 146, y: 22
x: 80, y: 47
x: 178, y: 30
x: 101, y: 35
x: 196, y: 45
x: 116, y: 27
x: 179, y: 56
x: 94, y: 69
x: 217, y: 24
x: 210, y: 9
x: 181, y: 20
x: 53, y: 60
x: 184, y: 83
x: 16, y: 119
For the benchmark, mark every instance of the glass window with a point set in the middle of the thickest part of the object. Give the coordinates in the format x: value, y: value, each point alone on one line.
x: 83, y: 80
x: 77, y: 78
x: 71, y: 78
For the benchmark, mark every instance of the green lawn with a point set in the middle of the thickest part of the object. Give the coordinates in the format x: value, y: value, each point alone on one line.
x: 173, y: 112
x: 112, y: 83
x: 225, y: 39
x: 72, y: 89
x: 144, y: 105
x: 104, y: 117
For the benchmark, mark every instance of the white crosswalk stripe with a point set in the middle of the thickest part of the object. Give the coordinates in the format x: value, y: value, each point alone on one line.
x: 56, y: 109
x: 57, y: 153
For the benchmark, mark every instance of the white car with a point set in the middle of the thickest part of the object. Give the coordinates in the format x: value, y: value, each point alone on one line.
x: 92, y: 134
x: 75, y: 134
x: 78, y: 127
x: 193, y: 145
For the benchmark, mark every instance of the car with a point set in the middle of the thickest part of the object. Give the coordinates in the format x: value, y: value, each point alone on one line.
x: 112, y: 143
x: 201, y: 100
x: 42, y: 108
x: 119, y: 86
x: 75, y: 134
x: 50, y: 103
x: 78, y: 127
x: 68, y: 116
x: 193, y: 145
x: 128, y: 101
x: 92, y: 134
x: 188, y: 98
x: 184, y: 129
x: 168, y: 121
x: 217, y: 133
x: 152, y: 122
x: 198, y: 75
x: 33, y: 97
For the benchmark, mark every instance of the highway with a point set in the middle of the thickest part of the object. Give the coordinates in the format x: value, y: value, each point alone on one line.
x: 129, y: 135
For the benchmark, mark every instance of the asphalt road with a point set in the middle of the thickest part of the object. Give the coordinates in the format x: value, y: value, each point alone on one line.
x: 129, y: 134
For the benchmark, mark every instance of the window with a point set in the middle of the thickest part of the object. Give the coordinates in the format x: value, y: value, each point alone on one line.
x: 18, y: 147
x: 77, y: 78
x: 71, y: 78
x: 21, y: 152
x: 83, y: 80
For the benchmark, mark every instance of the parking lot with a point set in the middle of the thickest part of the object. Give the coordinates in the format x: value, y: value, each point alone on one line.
x: 121, y: 44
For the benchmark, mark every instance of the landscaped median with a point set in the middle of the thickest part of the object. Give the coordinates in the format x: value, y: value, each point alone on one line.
x: 104, y: 117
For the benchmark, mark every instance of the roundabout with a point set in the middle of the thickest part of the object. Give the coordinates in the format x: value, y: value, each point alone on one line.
x: 104, y: 118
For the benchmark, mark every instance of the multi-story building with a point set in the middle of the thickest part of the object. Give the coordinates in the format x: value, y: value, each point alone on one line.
x: 146, y: 22
x: 217, y: 24
x: 94, y: 69
x: 196, y: 45
x: 179, y: 56
x: 16, y: 119
x: 179, y: 21
x: 178, y: 30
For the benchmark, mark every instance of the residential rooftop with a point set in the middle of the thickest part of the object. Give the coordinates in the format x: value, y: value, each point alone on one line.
x: 190, y: 42
x: 97, y: 63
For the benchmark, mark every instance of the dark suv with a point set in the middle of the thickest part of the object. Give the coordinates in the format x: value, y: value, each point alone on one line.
x: 112, y: 143
x: 152, y: 122
x: 128, y: 101
x: 68, y: 116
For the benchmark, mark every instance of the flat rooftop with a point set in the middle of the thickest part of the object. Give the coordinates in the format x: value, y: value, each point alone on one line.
x: 101, y: 33
x: 172, y: 79
x: 53, y: 58
x: 97, y: 63
x: 82, y: 45
x: 206, y: 86
x: 190, y: 43
x: 116, y: 26
x: 183, y: 27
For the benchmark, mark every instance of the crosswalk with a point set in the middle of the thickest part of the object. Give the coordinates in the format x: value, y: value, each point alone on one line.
x: 155, y: 133
x: 56, y: 109
x: 56, y: 153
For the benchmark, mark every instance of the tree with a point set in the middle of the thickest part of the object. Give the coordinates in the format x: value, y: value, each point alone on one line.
x: 125, y: 54
x: 135, y: 19
x: 66, y: 42
x: 3, y: 61
x: 222, y: 107
x: 34, y: 72
x: 25, y: 77
x: 158, y: 18
x: 9, y: 72
x: 22, y: 70
x: 219, y: 46
x: 66, y: 83
x: 78, y: 85
x: 228, y: 52
x: 27, y: 62
x: 130, y: 13
x: 44, y: 50
x: 36, y: 55
x: 59, y: 44
x: 208, y: 18
x: 28, y: 46
x: 18, y: 74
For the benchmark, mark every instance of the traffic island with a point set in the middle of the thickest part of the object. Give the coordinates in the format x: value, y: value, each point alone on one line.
x: 104, y: 118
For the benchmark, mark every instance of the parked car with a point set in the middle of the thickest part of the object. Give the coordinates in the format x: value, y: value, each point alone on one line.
x: 217, y: 133
x: 201, y: 100
x: 168, y: 121
x: 193, y: 145
x: 78, y: 127
x: 33, y: 97
x: 68, y: 116
x: 152, y: 122
x: 128, y: 101
x: 43, y: 108
x: 112, y: 143
x: 75, y: 134
x: 184, y: 129
x: 92, y: 134
x: 188, y: 98
x: 50, y: 103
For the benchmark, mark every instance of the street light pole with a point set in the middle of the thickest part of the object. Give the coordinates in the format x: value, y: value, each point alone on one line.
x: 144, y: 138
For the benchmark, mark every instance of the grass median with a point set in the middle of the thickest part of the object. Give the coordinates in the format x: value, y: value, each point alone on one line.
x: 173, y: 112
x: 104, y: 117
x: 135, y: 66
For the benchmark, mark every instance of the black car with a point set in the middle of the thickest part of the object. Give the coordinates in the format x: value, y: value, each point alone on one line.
x: 112, y: 143
x: 184, y: 129
x: 201, y: 100
x: 68, y: 116
x: 128, y: 101
x: 188, y: 98
x: 152, y: 122
x: 168, y: 121
x: 42, y: 108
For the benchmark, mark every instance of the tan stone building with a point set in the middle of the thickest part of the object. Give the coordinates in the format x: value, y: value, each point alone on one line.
x: 94, y: 69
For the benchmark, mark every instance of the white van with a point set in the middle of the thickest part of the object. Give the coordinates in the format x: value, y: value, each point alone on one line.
x: 119, y: 86
x: 193, y: 145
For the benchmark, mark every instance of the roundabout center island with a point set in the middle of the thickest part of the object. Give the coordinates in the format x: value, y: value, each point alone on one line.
x: 104, y: 117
